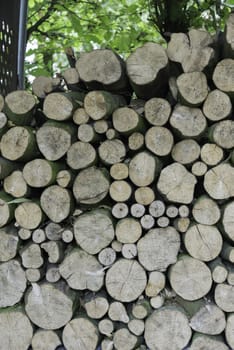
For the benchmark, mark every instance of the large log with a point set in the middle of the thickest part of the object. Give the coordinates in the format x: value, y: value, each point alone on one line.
x: 9, y: 243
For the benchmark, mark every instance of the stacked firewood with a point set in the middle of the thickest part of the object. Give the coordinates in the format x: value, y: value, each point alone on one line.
x: 116, y: 201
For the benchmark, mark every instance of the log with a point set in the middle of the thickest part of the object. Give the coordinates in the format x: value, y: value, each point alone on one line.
x: 7, y: 208
x: 227, y: 220
x: 177, y: 184
x: 124, y: 340
x: 65, y: 178
x: 157, y: 111
x: 190, y: 278
x: 80, y: 116
x: 19, y: 107
x: 34, y: 275
x: 107, y: 256
x: 3, y: 123
x: 9, y: 243
x: 218, y: 181
x: 228, y: 47
x: 227, y: 252
x: 223, y: 296
x: 211, y: 154
x: 147, y: 69
x: 94, y: 230
x: 136, y: 141
x: 192, y: 88
x: 31, y: 256
x: 167, y: 328
x: 218, y: 270
x: 229, y: 330
x: 181, y: 224
x: 119, y: 171
x: 2, y: 101
x: 55, y: 251
x: 101, y: 126
x: 29, y: 215
x: 106, y: 327
x: 52, y: 273
x: 44, y: 301
x: 141, y: 309
x: 86, y: 133
x: 13, y: 283
x: 15, y: 185
x: 206, y: 211
x: 223, y: 77
x: 186, y: 151
x: 158, y: 248
x: 72, y: 79
x: 163, y: 221
x: 217, y: 106
x: 82, y: 270
x: 128, y: 230
x: 157, y: 208
x: 136, y: 327
x: 45, y: 340
x: 129, y: 250
x: 159, y: 140
x: 156, y: 283
x: 107, y: 344
x: 125, y: 280
x: 20, y: 338
x: 172, y: 211
x: 7, y: 167
x: 112, y: 151
x: 117, y: 312
x: 147, y: 221
x: 199, y: 168
x: 67, y: 236
x: 81, y: 155
x: 62, y: 203
x: 144, y: 195
x: 120, y: 191
x: 42, y: 85
x: 120, y: 210
x: 53, y: 231
x: 221, y: 134
x: 126, y: 121
x: 96, y: 305
x: 24, y: 234
x: 137, y: 210
x: 210, y: 343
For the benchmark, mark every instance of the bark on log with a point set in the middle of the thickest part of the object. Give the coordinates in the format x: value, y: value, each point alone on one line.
x: 29, y: 215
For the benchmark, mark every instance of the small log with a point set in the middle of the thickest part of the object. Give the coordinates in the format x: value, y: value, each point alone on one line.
x: 218, y: 270
x: 67, y: 236
x: 157, y: 302
x: 128, y: 230
x: 188, y: 122
x: 107, y: 344
x: 221, y: 133
x: 53, y: 231
x: 229, y: 330
x: 186, y: 151
x: 177, y: 184
x: 168, y: 327
x: 120, y: 210
x: 141, y: 309
x: 16, y: 330
x: 147, y: 221
x: 129, y: 250
x: 199, y: 169
x: 227, y: 220
x: 42, y: 85
x: 19, y: 107
x: 7, y: 208
x: 72, y: 79
x: 157, y: 208
x: 55, y: 251
x: 2, y: 101
x: 96, y: 305
x: 112, y: 134
x: 147, y: 69
x: 80, y: 116
x: 136, y: 327
x: 24, y: 234
x: 94, y: 230
x: 65, y: 178
x: 101, y: 126
x: 45, y: 340
x: 86, y: 133
x: 183, y: 211
x: 59, y: 106
x: 206, y: 211
x: 217, y: 106
x: 143, y: 168
x: 230, y: 275
x: 18, y: 144
x: 13, y: 283
x: 136, y: 141
x: 223, y: 77
x: 34, y: 275
x: 224, y: 297
x: 29, y: 215
x: 157, y: 111
x: 106, y: 327
x: 112, y: 151
x: 124, y: 340
x: 172, y: 211
x: 54, y: 139
x: 158, y: 248
x: 31, y: 256
x: 227, y: 252
x: 82, y: 270
x: 52, y: 273
x: 190, y: 278
x: 181, y: 224
x: 192, y: 88
x: 125, y: 280
x: 117, y: 312
x: 120, y: 191
x: 156, y: 283
x: 126, y: 121
x: 218, y: 181
x: 49, y: 306
x: 9, y: 242
x: 163, y: 221
x: 107, y: 256
x: 81, y: 155
x: 211, y: 154
x: 159, y: 140
x: 200, y: 341
x: 144, y: 195
x: 15, y: 185
x: 137, y: 210
x: 119, y: 171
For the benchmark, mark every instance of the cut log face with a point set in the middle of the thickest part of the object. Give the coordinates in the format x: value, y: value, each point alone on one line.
x: 193, y: 88
x: 158, y: 248
x: 228, y: 221
x: 45, y: 340
x: 112, y: 151
x: 143, y: 168
x: 159, y: 140
x: 9, y: 242
x: 19, y: 107
x: 124, y: 340
x: 224, y: 297
x: 81, y: 155
x: 229, y: 330
x: 218, y: 181
x: 200, y: 341
x: 223, y: 76
x: 15, y: 184
x: 128, y: 230
x: 217, y: 105
x: 206, y: 211
x: 118, y: 312
x: 222, y: 134
x: 186, y: 151
x: 211, y: 154
x: 125, y: 280
x: 96, y: 305
x: 167, y: 328
x: 157, y: 111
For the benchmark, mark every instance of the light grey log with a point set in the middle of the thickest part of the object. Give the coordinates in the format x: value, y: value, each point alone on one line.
x: 190, y: 278
x: 158, y: 248
x: 183, y: 211
x: 81, y: 155
x: 210, y: 343
x: 141, y: 309
x: 228, y: 47
x: 102, y: 68
x: 1, y: 102
x: 119, y: 171
x: 136, y: 141
x: 18, y: 144
x: 172, y: 211
x: 118, y: 312
x: 85, y: 187
x: 13, y: 283
x: 49, y: 306
x: 54, y: 139
x: 106, y: 327
x: 230, y: 276
x: 156, y: 283
x: 112, y: 151
x: 125, y: 280
x: 147, y: 221
x: 211, y: 154
x: 221, y: 133
x: 227, y: 220
x: 82, y: 270
x: 112, y: 134
x: 52, y: 273
x: 24, y: 234
x: 199, y: 169
x: 53, y: 231
x: 107, y: 256
x: 126, y: 121
x: 137, y: 210
x: 159, y: 140
x: 124, y: 340
x: 193, y: 88
x: 19, y: 107
x: 101, y: 126
x: 222, y: 78
x: 186, y: 151
x: 176, y: 183
x: 107, y: 344
x: 129, y: 250
x: 7, y: 208
x: 71, y: 77
x: 203, y: 242
x: 217, y: 105
x: 143, y: 168
x: 147, y: 69
x: 157, y: 302
x: 120, y: 210
x: 128, y: 230
x: 157, y: 111
x: 206, y: 211
x: 80, y: 333
x: 229, y: 330
x: 188, y: 122
x: 86, y: 133
x: 218, y: 270
x: 34, y: 275
x: 117, y: 246
x: 62, y: 203
x: 136, y: 327
x: 181, y: 224
x: 67, y: 236
x: 31, y: 256
x: 3, y: 123
x: 224, y: 297
x: 15, y: 185
x: 45, y: 340
x: 94, y: 230
x: 65, y: 178
x: 80, y: 116
x: 9, y: 242
x: 16, y: 330
x: 167, y: 328
x: 41, y: 85
x: 120, y: 190
x: 227, y: 252
x: 96, y: 305
x: 29, y: 215
x: 55, y: 251
x: 218, y: 181
x: 163, y: 221
x: 157, y: 208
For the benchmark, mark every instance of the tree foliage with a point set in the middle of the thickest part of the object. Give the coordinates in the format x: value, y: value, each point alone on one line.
x: 54, y: 25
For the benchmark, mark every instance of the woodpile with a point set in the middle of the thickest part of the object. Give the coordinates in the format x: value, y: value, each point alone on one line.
x: 117, y: 202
